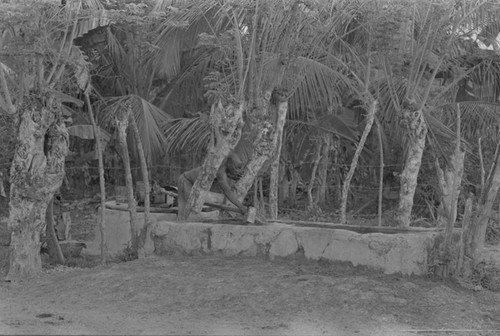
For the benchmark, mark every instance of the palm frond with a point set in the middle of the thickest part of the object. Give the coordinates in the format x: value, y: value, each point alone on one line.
x: 147, y: 116
x: 187, y: 134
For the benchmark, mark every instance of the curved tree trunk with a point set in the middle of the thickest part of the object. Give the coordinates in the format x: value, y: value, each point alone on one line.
x: 145, y: 247
x: 37, y: 172
x: 354, y: 163
x: 227, y: 123
x: 414, y: 122
x: 122, y: 121
x: 264, y: 144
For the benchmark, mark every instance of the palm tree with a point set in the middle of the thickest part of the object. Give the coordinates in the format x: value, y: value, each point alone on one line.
x: 128, y: 105
x: 252, y: 57
x: 414, y: 46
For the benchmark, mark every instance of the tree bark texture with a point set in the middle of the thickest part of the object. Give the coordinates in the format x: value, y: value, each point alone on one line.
x: 37, y: 172
x: 145, y: 247
x: 102, y: 184
x: 122, y: 123
x: 268, y: 133
x: 449, y: 181
x: 310, y: 185
x: 52, y: 241
x: 414, y: 123
x: 485, y: 211
x: 275, y: 163
x: 227, y: 124
x: 347, y: 183
x: 381, y: 172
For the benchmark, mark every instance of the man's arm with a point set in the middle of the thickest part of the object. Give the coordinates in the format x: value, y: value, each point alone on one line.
x: 223, y: 181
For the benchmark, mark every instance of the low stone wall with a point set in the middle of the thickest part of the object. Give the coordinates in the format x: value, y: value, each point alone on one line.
x: 117, y: 227
x: 406, y: 253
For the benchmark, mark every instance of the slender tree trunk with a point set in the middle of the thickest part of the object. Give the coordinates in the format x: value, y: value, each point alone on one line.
x: 381, y: 171
x: 145, y: 247
x: 122, y: 121
x: 465, y: 261
x: 337, y: 176
x: 354, y: 163
x: 449, y: 181
x: 275, y: 164
x: 37, y: 172
x: 310, y: 186
x: 227, y: 123
x: 414, y: 122
x: 321, y: 192
x: 484, y: 211
x: 102, y: 184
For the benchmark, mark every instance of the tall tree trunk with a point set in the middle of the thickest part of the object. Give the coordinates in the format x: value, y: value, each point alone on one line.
x: 414, y: 123
x: 145, y: 247
x: 37, y: 172
x: 449, y: 181
x: 275, y: 164
x: 310, y: 186
x: 102, y: 184
x: 354, y: 163
x: 321, y: 192
x: 122, y: 122
x: 381, y: 171
x: 227, y: 123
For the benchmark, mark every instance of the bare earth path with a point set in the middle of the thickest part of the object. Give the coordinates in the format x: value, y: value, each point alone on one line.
x: 216, y: 295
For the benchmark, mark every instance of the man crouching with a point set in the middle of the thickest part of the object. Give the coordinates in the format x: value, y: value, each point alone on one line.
x: 231, y: 168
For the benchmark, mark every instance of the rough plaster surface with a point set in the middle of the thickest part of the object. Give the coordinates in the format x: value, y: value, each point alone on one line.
x: 117, y: 228
x: 405, y: 253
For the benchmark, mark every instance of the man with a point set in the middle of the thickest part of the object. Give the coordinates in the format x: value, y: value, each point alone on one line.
x: 231, y: 168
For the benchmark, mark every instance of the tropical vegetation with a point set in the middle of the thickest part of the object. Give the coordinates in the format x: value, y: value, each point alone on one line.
x: 342, y: 110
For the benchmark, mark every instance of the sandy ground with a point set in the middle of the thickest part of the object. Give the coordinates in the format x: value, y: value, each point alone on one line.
x: 221, y: 296
x: 185, y: 295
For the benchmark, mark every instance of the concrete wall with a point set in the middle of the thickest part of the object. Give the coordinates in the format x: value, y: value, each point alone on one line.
x: 117, y: 228
x: 406, y: 253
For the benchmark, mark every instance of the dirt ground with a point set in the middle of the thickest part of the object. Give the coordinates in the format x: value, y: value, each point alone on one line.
x: 185, y: 295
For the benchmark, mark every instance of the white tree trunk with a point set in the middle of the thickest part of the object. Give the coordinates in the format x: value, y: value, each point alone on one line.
x: 416, y: 127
